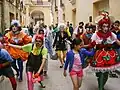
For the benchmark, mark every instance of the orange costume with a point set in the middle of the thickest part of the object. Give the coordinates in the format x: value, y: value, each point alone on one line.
x: 20, y: 39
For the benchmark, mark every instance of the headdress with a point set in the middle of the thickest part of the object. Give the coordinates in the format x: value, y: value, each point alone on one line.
x: 15, y: 22
x: 103, y: 18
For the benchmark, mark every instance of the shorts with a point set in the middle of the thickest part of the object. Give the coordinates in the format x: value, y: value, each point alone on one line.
x: 8, y: 72
x: 78, y: 73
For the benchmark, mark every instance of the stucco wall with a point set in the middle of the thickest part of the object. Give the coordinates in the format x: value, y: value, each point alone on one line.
x: 115, y: 8
x: 84, y: 9
x: 45, y: 10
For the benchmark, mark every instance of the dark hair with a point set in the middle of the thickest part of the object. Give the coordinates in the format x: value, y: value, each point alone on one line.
x: 19, y: 27
x: 41, y: 30
x: 76, y: 41
x: 117, y: 22
x: 81, y: 23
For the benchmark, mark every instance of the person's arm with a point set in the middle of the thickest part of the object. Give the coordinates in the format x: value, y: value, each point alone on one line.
x: 67, y: 61
x: 44, y: 56
x: 4, y: 64
x: 15, y: 46
x: 66, y: 64
x: 118, y: 42
x: 8, y: 59
x: 26, y: 48
x: 88, y: 53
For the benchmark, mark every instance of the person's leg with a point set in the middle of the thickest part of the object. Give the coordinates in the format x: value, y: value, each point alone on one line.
x: 64, y: 55
x: 29, y: 80
x: 79, y: 81
x: 50, y: 51
x: 13, y: 82
x: 74, y: 79
x: 20, y: 65
x: 59, y: 56
x: 8, y: 72
x: 80, y: 75
x: 45, y: 67
x: 105, y: 78
x: 100, y: 76
x: 15, y: 67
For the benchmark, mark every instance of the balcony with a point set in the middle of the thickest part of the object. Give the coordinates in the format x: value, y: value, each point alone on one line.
x: 72, y: 2
x: 40, y: 3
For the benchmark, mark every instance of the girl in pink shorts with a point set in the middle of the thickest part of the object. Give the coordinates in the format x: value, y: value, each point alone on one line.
x: 75, y: 60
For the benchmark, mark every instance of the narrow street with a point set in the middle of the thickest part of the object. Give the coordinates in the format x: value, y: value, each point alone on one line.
x: 56, y: 81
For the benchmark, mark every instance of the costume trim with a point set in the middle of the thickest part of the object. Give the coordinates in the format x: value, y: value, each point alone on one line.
x: 105, y: 69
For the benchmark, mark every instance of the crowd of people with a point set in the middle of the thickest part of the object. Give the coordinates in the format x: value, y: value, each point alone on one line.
x: 96, y: 46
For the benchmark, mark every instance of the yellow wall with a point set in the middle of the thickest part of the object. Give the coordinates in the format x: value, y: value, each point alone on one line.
x: 45, y: 10
x: 84, y: 9
x: 115, y: 8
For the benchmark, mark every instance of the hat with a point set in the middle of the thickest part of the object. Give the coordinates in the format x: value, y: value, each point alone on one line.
x: 15, y: 22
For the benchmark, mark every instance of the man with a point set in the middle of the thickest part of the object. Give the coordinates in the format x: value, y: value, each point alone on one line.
x: 5, y: 66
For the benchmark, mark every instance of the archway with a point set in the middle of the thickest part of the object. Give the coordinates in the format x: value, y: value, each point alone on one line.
x: 36, y: 16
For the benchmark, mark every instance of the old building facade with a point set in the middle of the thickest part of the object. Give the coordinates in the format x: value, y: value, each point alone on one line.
x: 38, y: 10
x: 9, y: 10
x: 83, y: 10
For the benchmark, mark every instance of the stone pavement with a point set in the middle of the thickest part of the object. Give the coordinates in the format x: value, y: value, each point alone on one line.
x: 56, y: 81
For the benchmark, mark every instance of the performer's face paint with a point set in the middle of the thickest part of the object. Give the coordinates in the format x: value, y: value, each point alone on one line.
x: 15, y: 30
x: 105, y: 28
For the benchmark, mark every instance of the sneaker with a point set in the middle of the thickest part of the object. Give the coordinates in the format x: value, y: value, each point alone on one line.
x: 113, y: 75
x: 45, y: 73
x: 61, y: 66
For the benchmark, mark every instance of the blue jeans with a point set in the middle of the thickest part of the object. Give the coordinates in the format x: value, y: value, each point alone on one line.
x: 48, y: 45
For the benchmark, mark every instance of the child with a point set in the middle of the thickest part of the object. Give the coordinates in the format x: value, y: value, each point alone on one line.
x: 75, y: 60
x: 36, y: 59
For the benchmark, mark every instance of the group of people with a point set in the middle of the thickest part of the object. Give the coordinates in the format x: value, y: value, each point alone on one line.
x: 96, y: 46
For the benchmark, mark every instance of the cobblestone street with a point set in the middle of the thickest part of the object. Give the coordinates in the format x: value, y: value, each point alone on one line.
x: 56, y: 81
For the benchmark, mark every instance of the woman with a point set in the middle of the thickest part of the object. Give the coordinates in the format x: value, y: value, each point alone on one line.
x: 36, y: 59
x: 106, y: 58
x: 17, y: 37
x: 75, y: 60
x: 60, y: 43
